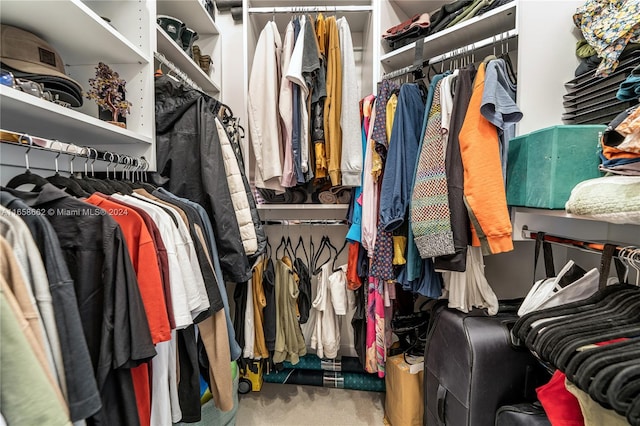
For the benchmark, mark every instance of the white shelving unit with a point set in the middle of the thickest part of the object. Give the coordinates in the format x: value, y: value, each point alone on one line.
x: 98, y: 31
x: 193, y: 14
x: 123, y: 35
x: 361, y: 15
x: 175, y: 54
x: 494, y: 22
x: 28, y: 114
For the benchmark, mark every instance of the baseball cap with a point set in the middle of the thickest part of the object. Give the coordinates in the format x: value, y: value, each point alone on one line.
x: 29, y: 56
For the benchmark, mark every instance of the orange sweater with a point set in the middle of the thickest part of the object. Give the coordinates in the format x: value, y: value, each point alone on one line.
x: 484, y: 190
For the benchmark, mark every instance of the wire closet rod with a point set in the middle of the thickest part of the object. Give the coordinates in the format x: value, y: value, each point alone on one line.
x: 309, y: 9
x: 54, y: 146
x: 470, y: 48
x: 179, y: 73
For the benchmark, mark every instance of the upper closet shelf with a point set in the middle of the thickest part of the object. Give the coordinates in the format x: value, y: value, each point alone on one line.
x: 494, y: 22
x: 358, y: 16
x: 74, y: 30
x: 175, y: 54
x: 25, y: 113
x: 192, y: 13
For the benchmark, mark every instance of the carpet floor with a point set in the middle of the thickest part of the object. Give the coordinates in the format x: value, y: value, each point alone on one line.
x: 296, y: 405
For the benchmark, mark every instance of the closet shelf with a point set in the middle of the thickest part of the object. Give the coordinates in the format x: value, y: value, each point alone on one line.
x: 24, y: 113
x: 559, y: 222
x: 358, y: 16
x: 496, y: 21
x: 413, y: 7
x: 552, y: 213
x: 192, y: 13
x: 88, y: 41
x: 176, y: 55
x: 329, y: 212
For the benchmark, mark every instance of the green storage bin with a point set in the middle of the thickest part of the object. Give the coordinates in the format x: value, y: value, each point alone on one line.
x: 544, y: 166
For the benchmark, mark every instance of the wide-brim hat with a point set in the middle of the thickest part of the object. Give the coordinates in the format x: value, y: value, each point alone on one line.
x: 29, y: 56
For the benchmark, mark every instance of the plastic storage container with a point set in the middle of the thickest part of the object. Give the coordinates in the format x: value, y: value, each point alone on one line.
x: 544, y: 166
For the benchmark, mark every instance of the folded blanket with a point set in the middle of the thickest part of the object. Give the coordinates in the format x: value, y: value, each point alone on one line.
x: 613, y: 199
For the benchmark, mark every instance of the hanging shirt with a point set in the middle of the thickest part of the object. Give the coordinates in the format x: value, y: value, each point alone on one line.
x: 249, y: 324
x: 370, y: 195
x: 499, y: 106
x: 351, y: 159
x: 259, y: 303
x: 285, y: 108
x: 17, y: 234
x: 484, y: 190
x: 333, y: 103
x: 470, y: 289
x: 355, y: 230
x: 15, y: 288
x: 325, y: 338
x: 455, y: 173
x: 431, y: 217
x: 289, y: 344
x: 397, y: 182
x: 192, y: 276
x: 166, y: 225
x: 83, y: 398
x: 213, y: 250
x: 264, y: 128
x: 21, y: 374
x: 143, y: 257
x: 115, y: 324
x: 300, y: 138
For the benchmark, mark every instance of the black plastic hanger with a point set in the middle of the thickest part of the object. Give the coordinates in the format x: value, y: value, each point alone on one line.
x: 325, y: 243
x: 304, y: 250
x: 69, y: 185
x: 90, y: 183
x: 27, y: 177
x: 510, y: 69
x: 268, y: 251
x: 335, y: 257
x: 288, y: 248
x: 283, y: 245
x: 141, y: 182
x: 118, y: 186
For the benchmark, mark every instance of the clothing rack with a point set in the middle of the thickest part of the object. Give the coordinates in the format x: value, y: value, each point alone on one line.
x: 471, y: 48
x: 304, y: 222
x: 589, y: 246
x: 178, y: 72
x: 51, y: 145
x: 452, y: 54
x: 309, y: 9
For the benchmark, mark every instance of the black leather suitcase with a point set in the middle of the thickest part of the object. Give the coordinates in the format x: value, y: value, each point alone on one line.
x: 525, y: 414
x: 471, y: 368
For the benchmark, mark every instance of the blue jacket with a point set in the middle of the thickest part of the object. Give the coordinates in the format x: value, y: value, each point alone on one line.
x: 397, y: 182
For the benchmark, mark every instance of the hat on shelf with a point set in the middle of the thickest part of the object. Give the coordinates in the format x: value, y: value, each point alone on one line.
x: 28, y: 56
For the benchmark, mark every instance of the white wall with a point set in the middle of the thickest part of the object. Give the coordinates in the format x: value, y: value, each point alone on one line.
x: 232, y: 65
